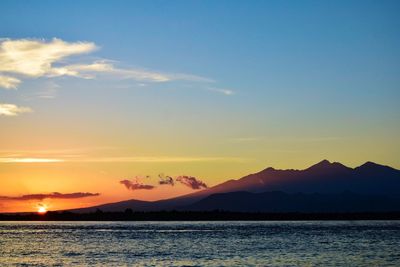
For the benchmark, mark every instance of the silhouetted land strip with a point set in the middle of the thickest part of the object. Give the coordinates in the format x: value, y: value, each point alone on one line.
x: 129, y: 215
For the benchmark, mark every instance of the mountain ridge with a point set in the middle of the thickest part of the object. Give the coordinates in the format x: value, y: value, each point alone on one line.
x: 324, y: 177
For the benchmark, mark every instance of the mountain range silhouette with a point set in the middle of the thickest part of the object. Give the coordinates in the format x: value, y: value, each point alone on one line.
x: 323, y: 187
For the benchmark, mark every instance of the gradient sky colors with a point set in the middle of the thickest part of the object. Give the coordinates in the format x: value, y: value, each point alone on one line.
x: 94, y: 93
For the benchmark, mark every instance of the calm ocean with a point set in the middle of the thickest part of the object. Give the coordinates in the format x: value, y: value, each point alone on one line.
x: 305, y: 243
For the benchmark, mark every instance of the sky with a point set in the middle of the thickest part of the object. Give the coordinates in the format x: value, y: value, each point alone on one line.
x: 105, y: 101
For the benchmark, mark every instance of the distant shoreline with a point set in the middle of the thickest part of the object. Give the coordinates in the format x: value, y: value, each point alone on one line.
x: 198, y: 216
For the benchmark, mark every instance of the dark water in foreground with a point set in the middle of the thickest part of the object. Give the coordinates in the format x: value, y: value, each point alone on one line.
x: 317, y: 243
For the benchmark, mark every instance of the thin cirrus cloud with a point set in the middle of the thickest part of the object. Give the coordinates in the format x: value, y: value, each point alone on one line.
x: 223, y: 91
x: 139, y: 159
x: 54, y: 195
x: 28, y: 160
x: 165, y: 159
x: 12, y: 110
x: 106, y: 67
x: 34, y: 58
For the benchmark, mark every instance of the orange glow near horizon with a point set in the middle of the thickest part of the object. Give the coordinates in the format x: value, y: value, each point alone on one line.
x: 22, y: 179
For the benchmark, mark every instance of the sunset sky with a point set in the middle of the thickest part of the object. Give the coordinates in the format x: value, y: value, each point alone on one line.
x: 98, y: 92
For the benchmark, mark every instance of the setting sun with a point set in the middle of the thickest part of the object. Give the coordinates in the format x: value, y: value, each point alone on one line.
x: 42, y: 210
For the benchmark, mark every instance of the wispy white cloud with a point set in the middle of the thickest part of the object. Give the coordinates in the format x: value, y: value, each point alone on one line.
x: 35, y: 58
x: 13, y: 110
x: 89, y: 71
x: 223, y: 91
x: 8, y: 82
x: 40, y: 58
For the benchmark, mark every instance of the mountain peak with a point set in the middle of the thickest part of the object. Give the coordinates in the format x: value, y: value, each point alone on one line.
x: 324, y: 162
x: 369, y: 165
x: 269, y: 169
x: 320, y: 165
x: 327, y: 165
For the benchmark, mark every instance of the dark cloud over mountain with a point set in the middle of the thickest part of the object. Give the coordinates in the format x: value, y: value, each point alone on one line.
x: 191, y: 182
x: 166, y: 180
x: 134, y: 185
x: 186, y: 180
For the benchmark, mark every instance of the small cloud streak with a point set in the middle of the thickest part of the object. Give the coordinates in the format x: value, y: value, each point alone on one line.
x: 54, y: 195
x: 166, y: 180
x: 223, y: 91
x: 82, y: 158
x: 191, y: 182
x: 151, y: 159
x: 29, y: 160
x: 134, y: 185
x: 8, y: 82
x: 11, y: 110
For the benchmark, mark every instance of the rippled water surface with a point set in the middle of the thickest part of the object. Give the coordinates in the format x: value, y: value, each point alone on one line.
x: 358, y: 243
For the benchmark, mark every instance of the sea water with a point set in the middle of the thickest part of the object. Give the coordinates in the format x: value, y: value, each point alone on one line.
x: 278, y: 243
